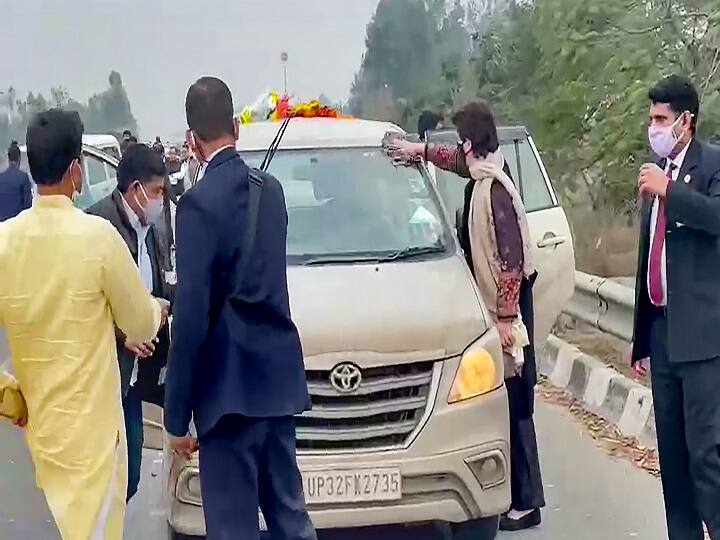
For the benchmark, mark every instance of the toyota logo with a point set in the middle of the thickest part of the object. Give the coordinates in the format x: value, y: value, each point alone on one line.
x: 346, y: 378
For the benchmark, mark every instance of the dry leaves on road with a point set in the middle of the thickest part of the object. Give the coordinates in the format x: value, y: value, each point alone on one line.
x: 607, y: 435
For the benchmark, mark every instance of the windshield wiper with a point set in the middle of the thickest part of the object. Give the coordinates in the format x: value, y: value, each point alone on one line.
x: 341, y: 259
x: 411, y: 252
x: 407, y: 253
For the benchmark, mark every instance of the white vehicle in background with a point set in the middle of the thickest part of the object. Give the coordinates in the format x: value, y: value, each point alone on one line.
x: 409, y: 423
x: 107, y: 143
x: 99, y: 174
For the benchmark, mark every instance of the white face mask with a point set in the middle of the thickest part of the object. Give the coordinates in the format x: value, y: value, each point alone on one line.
x: 663, y: 139
x: 152, y: 209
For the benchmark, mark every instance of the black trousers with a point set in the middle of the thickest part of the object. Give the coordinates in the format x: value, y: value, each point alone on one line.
x: 687, y: 417
x: 525, y: 477
x: 246, y: 463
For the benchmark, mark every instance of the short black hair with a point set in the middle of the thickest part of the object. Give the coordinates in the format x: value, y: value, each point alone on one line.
x: 475, y: 122
x: 209, y: 109
x: 54, y: 140
x: 14, y: 152
x: 139, y: 163
x: 126, y: 134
x: 680, y: 94
x: 428, y: 121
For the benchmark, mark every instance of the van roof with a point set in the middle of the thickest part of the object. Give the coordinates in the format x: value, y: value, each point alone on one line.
x: 100, y: 140
x: 305, y: 133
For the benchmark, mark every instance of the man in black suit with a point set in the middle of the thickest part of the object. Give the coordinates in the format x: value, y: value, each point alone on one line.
x: 677, y: 308
x: 134, y: 208
x: 236, y: 363
x: 15, y: 188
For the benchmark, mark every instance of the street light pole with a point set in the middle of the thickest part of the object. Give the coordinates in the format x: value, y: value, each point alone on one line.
x: 284, y: 60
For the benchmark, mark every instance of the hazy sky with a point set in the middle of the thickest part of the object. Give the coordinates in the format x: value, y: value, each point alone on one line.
x: 161, y: 46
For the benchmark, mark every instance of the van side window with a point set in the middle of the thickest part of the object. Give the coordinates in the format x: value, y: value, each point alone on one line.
x: 95, y: 170
x: 536, y: 194
x: 510, y: 155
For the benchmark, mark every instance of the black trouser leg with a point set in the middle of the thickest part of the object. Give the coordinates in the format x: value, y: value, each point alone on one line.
x: 683, y: 518
x: 280, y: 485
x: 229, y: 479
x: 701, y: 382
x: 525, y: 477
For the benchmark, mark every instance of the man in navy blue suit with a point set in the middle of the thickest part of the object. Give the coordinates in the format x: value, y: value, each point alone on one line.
x: 15, y: 189
x: 236, y: 363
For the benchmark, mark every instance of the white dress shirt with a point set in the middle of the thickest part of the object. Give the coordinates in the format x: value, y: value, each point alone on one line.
x: 678, y: 163
x: 144, y: 264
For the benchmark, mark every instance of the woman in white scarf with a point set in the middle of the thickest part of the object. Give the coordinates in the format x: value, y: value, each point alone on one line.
x: 496, y: 240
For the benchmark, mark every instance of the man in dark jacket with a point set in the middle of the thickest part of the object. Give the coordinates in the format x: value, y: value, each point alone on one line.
x: 15, y: 188
x: 133, y: 208
x: 236, y: 364
x: 677, y: 307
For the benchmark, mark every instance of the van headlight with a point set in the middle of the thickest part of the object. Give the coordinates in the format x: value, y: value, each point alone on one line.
x: 477, y: 374
x: 188, y: 487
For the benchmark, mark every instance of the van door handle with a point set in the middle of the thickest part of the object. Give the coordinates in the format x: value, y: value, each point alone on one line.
x: 550, y: 240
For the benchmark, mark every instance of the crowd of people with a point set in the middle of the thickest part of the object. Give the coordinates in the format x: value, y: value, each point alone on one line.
x: 86, y: 298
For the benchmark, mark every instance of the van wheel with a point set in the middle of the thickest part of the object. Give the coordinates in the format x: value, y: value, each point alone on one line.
x: 477, y: 529
x: 172, y: 535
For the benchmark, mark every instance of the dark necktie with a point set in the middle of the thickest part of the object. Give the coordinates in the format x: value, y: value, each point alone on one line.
x: 656, y: 250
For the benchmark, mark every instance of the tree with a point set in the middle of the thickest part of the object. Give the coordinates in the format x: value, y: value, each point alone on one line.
x: 577, y: 73
x: 110, y: 111
x: 106, y: 112
x: 400, y: 61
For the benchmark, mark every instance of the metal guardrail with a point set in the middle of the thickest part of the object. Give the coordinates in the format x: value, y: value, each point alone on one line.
x: 604, y: 304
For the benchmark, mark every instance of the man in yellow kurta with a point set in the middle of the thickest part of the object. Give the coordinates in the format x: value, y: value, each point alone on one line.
x: 67, y: 279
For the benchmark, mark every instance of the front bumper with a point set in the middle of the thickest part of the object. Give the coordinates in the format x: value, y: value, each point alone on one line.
x: 456, y: 469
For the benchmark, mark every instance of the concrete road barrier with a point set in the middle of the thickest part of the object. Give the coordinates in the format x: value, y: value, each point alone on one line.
x: 601, y: 389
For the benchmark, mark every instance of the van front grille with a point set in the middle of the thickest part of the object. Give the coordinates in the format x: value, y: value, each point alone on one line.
x: 383, y: 411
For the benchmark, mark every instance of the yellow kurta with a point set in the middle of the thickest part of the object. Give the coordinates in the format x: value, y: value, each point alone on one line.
x: 67, y: 278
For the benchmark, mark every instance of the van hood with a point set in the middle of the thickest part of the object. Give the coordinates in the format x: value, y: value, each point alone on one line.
x: 380, y: 314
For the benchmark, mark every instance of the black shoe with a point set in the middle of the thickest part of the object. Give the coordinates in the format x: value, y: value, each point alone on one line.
x: 529, y: 521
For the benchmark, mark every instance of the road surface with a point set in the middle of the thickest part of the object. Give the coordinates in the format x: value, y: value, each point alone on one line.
x: 590, y: 495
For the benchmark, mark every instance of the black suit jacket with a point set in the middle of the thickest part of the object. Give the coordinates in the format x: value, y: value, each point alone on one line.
x: 692, y: 244
x: 235, y: 348
x: 112, y: 208
x: 15, y: 193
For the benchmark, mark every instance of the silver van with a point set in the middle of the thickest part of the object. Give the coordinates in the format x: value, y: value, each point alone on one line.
x: 410, y: 416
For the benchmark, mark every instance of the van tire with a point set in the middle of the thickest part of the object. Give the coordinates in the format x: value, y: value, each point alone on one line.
x: 477, y: 529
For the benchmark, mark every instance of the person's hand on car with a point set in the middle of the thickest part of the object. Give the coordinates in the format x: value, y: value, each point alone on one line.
x: 183, y: 446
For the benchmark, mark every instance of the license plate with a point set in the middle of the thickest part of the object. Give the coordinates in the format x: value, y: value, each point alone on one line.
x: 352, y: 485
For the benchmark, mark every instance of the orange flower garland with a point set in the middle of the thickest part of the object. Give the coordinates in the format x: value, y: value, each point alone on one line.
x: 280, y: 108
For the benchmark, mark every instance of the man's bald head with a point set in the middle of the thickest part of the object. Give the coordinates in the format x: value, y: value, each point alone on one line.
x: 209, y: 109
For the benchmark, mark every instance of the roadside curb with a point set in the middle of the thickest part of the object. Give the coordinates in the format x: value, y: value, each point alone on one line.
x: 602, y: 390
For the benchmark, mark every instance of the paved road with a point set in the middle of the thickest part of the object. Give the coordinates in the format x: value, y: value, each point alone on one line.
x: 590, y: 496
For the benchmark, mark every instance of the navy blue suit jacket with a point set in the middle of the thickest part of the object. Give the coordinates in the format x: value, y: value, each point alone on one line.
x: 234, y: 350
x: 15, y: 193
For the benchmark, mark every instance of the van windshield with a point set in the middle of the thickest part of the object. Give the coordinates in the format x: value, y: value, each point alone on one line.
x: 353, y: 205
